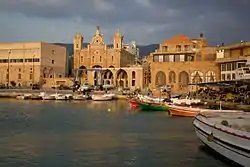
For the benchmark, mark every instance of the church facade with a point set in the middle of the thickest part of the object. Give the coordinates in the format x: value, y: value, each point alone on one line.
x: 115, y: 63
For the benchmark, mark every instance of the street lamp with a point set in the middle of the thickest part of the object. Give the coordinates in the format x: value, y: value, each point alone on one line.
x: 9, y: 52
x: 33, y: 67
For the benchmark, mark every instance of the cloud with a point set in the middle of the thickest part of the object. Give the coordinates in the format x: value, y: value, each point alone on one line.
x: 146, y: 21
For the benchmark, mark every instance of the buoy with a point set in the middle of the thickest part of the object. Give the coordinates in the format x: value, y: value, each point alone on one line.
x: 109, y: 110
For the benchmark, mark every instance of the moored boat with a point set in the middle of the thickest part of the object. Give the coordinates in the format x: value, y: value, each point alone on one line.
x: 183, y: 111
x: 153, y: 106
x: 101, y: 97
x: 133, y: 103
x: 227, y: 133
x: 80, y: 97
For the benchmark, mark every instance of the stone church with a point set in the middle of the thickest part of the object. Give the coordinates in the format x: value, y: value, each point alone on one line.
x: 115, y: 63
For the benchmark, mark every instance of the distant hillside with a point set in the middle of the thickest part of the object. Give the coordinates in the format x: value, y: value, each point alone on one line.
x: 144, y: 49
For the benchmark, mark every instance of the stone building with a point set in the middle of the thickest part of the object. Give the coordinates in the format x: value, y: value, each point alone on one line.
x: 25, y: 64
x: 181, y: 61
x: 116, y: 63
x: 231, y: 57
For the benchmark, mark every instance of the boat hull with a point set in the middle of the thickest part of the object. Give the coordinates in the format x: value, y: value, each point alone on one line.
x: 152, y: 107
x: 183, y: 111
x: 133, y: 103
x: 228, y: 143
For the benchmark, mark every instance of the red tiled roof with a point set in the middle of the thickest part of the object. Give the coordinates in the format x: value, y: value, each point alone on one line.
x: 178, y: 39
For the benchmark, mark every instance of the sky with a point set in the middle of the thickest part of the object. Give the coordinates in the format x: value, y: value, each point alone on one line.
x: 143, y: 21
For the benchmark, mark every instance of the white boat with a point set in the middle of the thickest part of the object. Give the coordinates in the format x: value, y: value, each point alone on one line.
x: 227, y: 133
x: 60, y: 97
x: 112, y: 95
x: 45, y: 96
x: 150, y: 99
x: 24, y: 97
x: 185, y: 101
x: 101, y: 97
x: 80, y: 97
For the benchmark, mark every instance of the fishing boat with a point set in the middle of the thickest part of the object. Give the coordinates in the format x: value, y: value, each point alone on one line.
x: 101, y: 97
x: 152, y: 106
x: 45, y: 96
x: 133, y: 103
x: 24, y: 97
x: 227, y: 133
x: 183, y: 111
x: 80, y: 97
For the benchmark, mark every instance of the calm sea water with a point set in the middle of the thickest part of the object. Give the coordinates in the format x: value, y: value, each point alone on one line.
x: 82, y: 134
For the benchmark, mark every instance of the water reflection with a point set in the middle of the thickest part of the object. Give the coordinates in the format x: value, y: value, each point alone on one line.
x: 85, y: 134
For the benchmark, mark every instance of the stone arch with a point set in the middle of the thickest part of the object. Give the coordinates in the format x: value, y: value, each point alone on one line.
x: 108, y: 77
x: 96, y: 77
x: 196, y: 77
x: 82, y: 73
x: 122, y: 78
x: 111, y: 67
x: 172, y: 77
x: 210, y: 76
x: 160, y: 78
x: 183, y: 79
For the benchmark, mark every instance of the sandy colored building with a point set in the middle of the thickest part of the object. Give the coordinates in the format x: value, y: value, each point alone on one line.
x: 231, y: 57
x: 116, y: 62
x: 25, y: 64
x: 180, y: 61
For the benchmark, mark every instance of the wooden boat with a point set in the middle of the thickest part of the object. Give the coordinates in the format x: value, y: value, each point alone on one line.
x: 133, y: 103
x: 227, y: 133
x: 24, y: 97
x: 100, y: 97
x: 152, y: 106
x: 80, y: 97
x: 183, y: 111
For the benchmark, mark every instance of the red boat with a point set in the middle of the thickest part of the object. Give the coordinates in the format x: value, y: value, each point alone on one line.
x: 133, y: 103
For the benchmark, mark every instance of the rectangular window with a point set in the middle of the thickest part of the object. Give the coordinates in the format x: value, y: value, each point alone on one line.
x: 187, y: 47
x: 234, y: 66
x: 31, y: 76
x: 229, y: 66
x: 178, y: 48
x: 228, y: 77
x: 182, y: 57
x: 53, y: 52
x: 223, y: 77
x: 36, y: 60
x: 171, y: 58
x: 176, y: 58
x: 223, y: 67
x: 112, y: 58
x: 233, y: 76
x: 156, y: 58
x: 100, y: 58
x: 7, y: 76
x: 165, y: 48
x: 19, y: 76
x: 81, y: 58
x: 161, y: 58
x: 166, y: 58
x: 52, y: 61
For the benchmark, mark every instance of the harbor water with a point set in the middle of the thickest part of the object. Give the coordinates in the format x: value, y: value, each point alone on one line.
x: 96, y: 134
